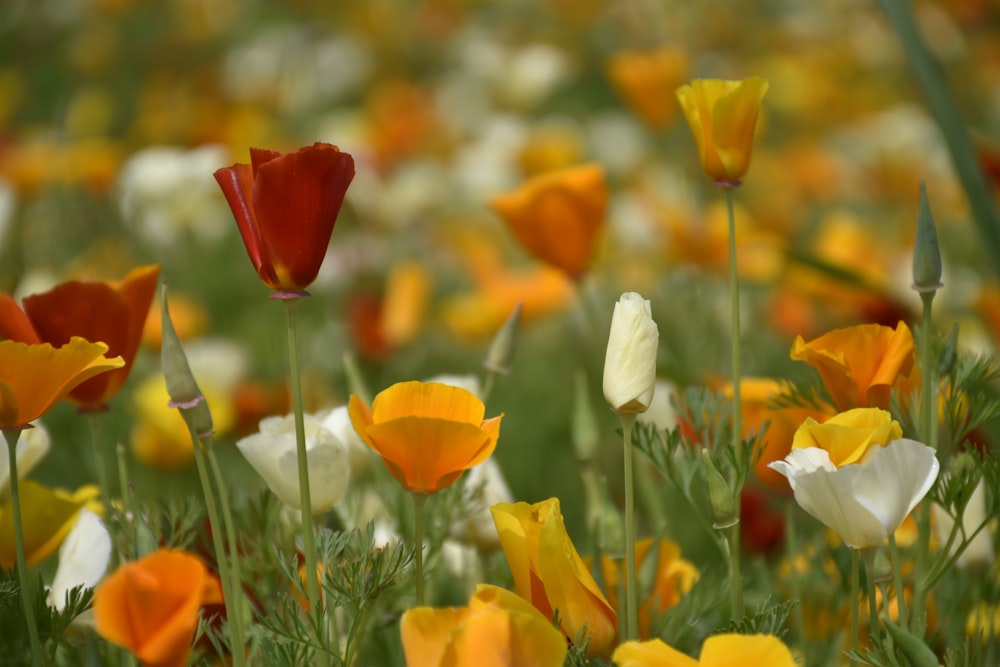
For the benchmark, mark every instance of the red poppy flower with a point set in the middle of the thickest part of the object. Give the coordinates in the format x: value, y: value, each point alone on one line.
x: 285, y: 206
x: 110, y: 312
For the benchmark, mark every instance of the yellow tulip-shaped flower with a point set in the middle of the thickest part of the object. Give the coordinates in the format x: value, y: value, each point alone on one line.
x: 497, y: 629
x: 722, y: 116
x: 549, y: 573
x: 860, y: 365
x: 33, y: 378
x: 427, y: 434
x: 47, y: 515
x: 729, y: 650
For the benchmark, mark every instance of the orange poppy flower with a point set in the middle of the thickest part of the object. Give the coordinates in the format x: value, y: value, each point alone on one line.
x: 34, y: 377
x: 150, y: 606
x: 861, y: 364
x: 556, y: 216
x: 549, y: 573
x: 716, y: 651
x: 286, y: 207
x: 646, y: 81
x: 427, y: 434
x: 113, y: 313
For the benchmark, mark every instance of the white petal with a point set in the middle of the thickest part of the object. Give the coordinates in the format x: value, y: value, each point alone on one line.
x: 801, y: 462
x: 83, y: 558
x: 828, y: 495
x: 32, y: 446
x: 329, y: 471
x: 630, y: 363
x: 894, y: 479
x: 362, y: 458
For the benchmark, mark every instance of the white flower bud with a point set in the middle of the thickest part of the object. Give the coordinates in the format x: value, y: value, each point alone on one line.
x: 630, y: 364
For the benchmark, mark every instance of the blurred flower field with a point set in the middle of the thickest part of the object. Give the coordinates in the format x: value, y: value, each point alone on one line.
x: 757, y: 242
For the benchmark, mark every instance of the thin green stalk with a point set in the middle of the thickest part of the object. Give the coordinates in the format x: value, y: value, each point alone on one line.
x: 234, y: 614
x: 897, y: 577
x: 869, y: 557
x: 928, y: 434
x: 855, y: 600
x: 631, y: 578
x: 792, y: 554
x: 942, y: 106
x: 308, y: 531
x: 419, y: 499
x: 94, y: 420
x: 734, y: 296
x: 737, y: 608
x: 27, y: 590
x: 237, y: 643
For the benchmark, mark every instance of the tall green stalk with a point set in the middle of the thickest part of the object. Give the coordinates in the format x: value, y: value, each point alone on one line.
x: 27, y: 590
x: 308, y: 530
x: 419, y: 500
x: 855, y: 600
x: 928, y: 434
x: 897, y: 575
x: 631, y: 578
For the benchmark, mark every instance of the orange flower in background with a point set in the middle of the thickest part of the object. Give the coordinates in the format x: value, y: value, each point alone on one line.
x: 427, y: 434
x: 722, y: 116
x: 285, y: 206
x: 646, y: 81
x: 150, y: 606
x: 672, y: 579
x: 34, y: 377
x: 717, y: 651
x: 549, y: 573
x: 861, y: 364
x: 497, y: 629
x: 556, y: 216
x: 112, y: 312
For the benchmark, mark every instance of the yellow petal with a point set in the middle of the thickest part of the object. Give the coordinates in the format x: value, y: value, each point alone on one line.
x: 733, y: 121
x: 47, y: 516
x: 427, y: 399
x: 734, y: 650
x: 650, y: 654
x: 426, y: 633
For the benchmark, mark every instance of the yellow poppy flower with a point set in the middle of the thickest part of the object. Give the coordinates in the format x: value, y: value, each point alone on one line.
x: 427, y: 434
x: 34, y: 377
x: 722, y: 116
x: 47, y: 516
x: 861, y: 364
x: 497, y: 629
x: 847, y: 437
x: 718, y: 651
x: 549, y: 573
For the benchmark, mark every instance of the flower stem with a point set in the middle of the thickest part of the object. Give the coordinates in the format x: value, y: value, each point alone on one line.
x: 308, y: 532
x: 27, y: 590
x: 419, y: 499
x: 928, y: 434
x: 855, y: 599
x: 868, y: 555
x: 897, y: 575
x: 237, y: 644
x: 792, y: 554
x: 94, y: 420
x: 631, y: 579
x: 734, y: 296
x: 737, y: 610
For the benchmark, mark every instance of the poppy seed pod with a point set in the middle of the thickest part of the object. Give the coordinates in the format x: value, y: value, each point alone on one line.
x: 630, y: 364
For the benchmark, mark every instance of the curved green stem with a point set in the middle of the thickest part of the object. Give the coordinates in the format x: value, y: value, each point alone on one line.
x: 631, y: 578
x: 27, y: 590
x: 419, y: 499
x: 734, y: 296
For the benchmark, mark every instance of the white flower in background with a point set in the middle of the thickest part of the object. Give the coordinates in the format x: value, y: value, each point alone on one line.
x: 272, y: 454
x: 32, y: 446
x: 361, y: 456
x: 83, y: 558
x: 485, y: 486
x: 164, y: 195
x: 861, y: 502
x: 221, y: 361
x: 630, y: 364
x: 979, y: 554
x: 661, y: 412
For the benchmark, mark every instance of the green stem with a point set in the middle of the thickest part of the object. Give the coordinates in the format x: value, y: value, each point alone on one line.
x: 631, y: 578
x: 897, y: 576
x: 855, y: 600
x: 737, y: 608
x: 942, y: 106
x: 94, y: 420
x: 419, y: 499
x: 928, y: 434
x: 734, y: 296
x: 27, y: 590
x: 237, y: 645
x: 869, y: 557
x: 235, y: 612
x: 792, y: 554
x: 305, y: 498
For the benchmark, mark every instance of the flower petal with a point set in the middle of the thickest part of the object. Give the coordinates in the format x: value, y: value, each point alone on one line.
x: 650, y: 654
x: 895, y: 479
x: 733, y: 650
x: 428, y: 399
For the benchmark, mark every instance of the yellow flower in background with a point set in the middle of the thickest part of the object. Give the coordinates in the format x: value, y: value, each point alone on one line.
x: 497, y: 629
x: 645, y: 79
x: 726, y: 650
x: 861, y: 364
x: 722, y: 116
x: 427, y: 433
x: 549, y: 573
x: 47, y: 516
x: 404, y: 303
x: 848, y: 436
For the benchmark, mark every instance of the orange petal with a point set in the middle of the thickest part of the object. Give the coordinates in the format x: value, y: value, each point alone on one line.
x: 426, y: 633
x: 732, y: 650
x: 651, y: 654
x: 361, y: 418
x: 14, y: 322
x: 428, y: 399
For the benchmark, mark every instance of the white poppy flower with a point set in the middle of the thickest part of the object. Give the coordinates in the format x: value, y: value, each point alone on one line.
x: 630, y: 364
x: 272, y: 453
x: 979, y: 553
x: 362, y: 457
x: 32, y: 446
x: 861, y: 502
x: 83, y: 558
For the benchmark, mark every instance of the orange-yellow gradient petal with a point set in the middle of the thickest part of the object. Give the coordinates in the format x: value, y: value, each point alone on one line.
x: 734, y: 650
x: 47, y: 516
x: 650, y: 654
x: 34, y: 377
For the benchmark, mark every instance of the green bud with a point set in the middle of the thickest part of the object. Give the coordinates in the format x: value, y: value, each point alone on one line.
x: 725, y: 513
x: 586, y: 435
x: 181, y: 385
x: 926, y: 251
x: 913, y: 647
x: 949, y: 355
x: 501, y: 352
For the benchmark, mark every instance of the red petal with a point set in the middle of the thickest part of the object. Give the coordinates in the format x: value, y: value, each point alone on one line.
x: 14, y: 323
x: 236, y: 182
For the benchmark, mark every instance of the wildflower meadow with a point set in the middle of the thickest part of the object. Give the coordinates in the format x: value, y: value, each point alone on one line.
x: 499, y: 333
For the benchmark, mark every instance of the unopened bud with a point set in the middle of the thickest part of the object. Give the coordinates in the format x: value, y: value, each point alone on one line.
x: 913, y: 647
x: 501, y: 352
x: 181, y: 385
x: 721, y: 502
x: 926, y: 251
